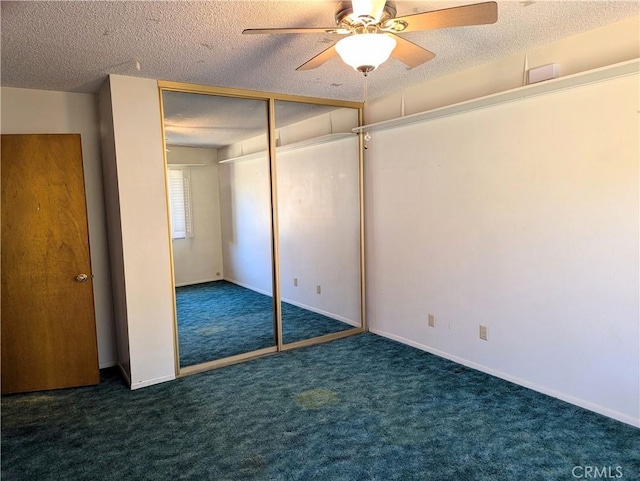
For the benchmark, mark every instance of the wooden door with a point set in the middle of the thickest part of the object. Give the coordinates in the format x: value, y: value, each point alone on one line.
x: 48, y: 319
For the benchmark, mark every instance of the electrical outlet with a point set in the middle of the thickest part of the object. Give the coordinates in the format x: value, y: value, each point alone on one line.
x: 318, y: 289
x: 295, y: 282
x: 483, y: 333
x: 432, y: 320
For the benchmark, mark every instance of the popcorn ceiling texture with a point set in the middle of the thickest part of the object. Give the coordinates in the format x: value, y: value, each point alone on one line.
x: 72, y: 46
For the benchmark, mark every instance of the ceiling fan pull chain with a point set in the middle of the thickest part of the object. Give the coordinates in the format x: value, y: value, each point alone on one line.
x: 367, y: 135
x: 365, y: 88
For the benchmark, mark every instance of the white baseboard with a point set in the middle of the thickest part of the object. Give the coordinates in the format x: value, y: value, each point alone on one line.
x: 337, y: 317
x: 618, y: 416
x: 151, y: 382
x: 104, y: 365
x: 248, y: 286
x: 141, y: 384
x: 126, y: 377
x: 297, y: 304
x: 200, y: 281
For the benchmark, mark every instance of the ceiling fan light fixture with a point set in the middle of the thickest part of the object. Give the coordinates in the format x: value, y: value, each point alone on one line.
x: 366, y: 51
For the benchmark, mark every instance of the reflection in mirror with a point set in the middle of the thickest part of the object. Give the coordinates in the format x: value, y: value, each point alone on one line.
x: 318, y: 191
x: 220, y: 210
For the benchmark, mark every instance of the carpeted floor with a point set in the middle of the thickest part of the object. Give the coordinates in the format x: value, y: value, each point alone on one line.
x: 220, y: 319
x: 358, y: 408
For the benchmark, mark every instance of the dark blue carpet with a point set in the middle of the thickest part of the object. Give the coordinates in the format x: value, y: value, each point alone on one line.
x: 220, y: 319
x: 358, y: 408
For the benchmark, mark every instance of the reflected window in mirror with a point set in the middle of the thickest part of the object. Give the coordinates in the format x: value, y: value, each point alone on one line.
x: 220, y: 206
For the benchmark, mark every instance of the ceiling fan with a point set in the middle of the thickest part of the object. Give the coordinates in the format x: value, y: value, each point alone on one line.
x: 371, y: 28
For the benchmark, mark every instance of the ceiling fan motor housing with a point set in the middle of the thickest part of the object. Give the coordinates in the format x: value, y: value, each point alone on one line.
x: 345, y: 18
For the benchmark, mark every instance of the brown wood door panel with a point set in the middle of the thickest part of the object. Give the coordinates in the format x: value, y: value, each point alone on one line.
x: 48, y: 319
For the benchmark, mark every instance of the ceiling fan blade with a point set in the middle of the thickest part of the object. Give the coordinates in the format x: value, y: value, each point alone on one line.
x: 372, y: 8
x: 478, y: 14
x: 252, y: 31
x: 319, y: 59
x: 409, y: 53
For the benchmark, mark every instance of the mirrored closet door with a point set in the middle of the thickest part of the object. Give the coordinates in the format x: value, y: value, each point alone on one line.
x: 220, y: 208
x: 265, y: 205
x: 318, y: 185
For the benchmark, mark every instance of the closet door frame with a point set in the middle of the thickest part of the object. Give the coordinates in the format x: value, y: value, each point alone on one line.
x: 271, y: 98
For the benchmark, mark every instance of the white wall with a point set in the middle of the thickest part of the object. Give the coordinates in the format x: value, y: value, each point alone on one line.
x: 523, y: 217
x: 318, y: 216
x: 319, y: 224
x: 339, y: 120
x: 114, y: 231
x: 144, y: 285
x: 596, y: 48
x: 199, y: 258
x: 27, y: 111
x: 245, y: 207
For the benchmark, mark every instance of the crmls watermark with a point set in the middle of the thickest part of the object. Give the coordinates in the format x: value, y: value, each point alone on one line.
x: 597, y: 472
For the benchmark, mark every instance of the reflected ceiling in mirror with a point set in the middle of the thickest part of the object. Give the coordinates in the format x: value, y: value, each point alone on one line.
x: 213, y: 121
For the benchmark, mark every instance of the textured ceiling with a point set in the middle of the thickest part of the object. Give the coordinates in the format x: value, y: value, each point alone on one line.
x: 72, y: 45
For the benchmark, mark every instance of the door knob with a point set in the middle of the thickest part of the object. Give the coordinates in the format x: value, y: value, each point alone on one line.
x: 82, y: 277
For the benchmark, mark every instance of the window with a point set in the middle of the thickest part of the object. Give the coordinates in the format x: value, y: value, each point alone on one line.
x: 180, y: 204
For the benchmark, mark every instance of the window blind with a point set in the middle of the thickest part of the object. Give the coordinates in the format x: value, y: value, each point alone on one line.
x: 180, y: 204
